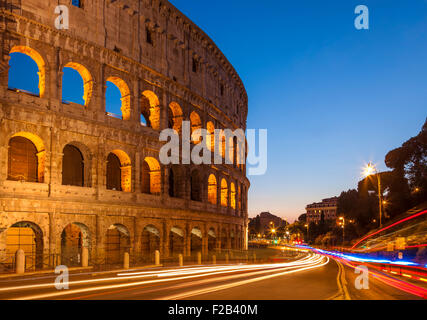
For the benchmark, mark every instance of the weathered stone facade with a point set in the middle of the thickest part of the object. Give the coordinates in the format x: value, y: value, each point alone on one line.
x: 161, y: 62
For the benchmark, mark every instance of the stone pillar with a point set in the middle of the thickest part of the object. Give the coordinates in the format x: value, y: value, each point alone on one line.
x: 126, y: 260
x: 20, y: 261
x: 180, y: 260
x: 199, y: 258
x: 165, y: 240
x: 85, y: 257
x: 157, y: 257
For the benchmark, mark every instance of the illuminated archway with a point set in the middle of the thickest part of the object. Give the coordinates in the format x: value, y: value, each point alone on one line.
x: 87, y: 80
x: 119, y: 171
x: 196, y: 124
x: 26, y: 158
x: 224, y: 193
x: 233, y: 195
x: 196, y: 240
x: 175, y: 117
x: 33, y: 54
x: 150, y: 109
x: 212, y: 189
x: 150, y: 242
x: 210, y: 139
x: 150, y: 176
x: 125, y: 96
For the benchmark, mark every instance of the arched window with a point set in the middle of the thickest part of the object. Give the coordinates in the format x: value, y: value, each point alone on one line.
x: 117, y: 98
x: 72, y: 166
x: 224, y: 193
x: 150, y: 176
x: 77, y: 84
x: 23, y: 162
x: 233, y: 195
x: 175, y: 117
x: 150, y: 109
x: 119, y: 171
x: 117, y: 243
x: 27, y: 61
x: 210, y: 139
x: 26, y: 158
x: 196, y: 124
x: 212, y: 189
x: 196, y: 194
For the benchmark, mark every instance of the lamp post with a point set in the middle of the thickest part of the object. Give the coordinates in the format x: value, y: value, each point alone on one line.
x: 307, y: 226
x: 343, y: 229
x: 369, y: 170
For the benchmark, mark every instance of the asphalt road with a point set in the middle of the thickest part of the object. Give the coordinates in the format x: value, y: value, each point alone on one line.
x: 310, y: 277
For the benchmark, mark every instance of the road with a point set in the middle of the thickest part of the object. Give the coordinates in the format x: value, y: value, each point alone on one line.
x: 308, y: 277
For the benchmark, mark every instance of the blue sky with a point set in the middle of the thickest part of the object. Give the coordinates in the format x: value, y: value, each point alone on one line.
x: 332, y: 97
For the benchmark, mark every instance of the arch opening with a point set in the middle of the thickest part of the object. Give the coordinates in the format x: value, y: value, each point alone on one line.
x: 27, y: 236
x: 196, y: 240
x: 117, y: 98
x: 119, y: 171
x: 150, y: 109
x: 21, y: 65
x: 150, y: 242
x: 73, y: 166
x: 176, y: 241
x: 175, y: 117
x: 224, y: 193
x: 74, y: 237
x: 26, y: 158
x: 117, y: 243
x: 151, y: 176
x: 195, y: 124
x: 212, y: 189
x: 77, y: 84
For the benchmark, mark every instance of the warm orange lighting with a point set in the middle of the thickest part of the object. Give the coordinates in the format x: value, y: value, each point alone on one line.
x: 369, y: 170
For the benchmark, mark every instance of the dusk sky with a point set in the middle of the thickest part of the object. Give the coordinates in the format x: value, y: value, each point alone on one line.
x: 332, y: 97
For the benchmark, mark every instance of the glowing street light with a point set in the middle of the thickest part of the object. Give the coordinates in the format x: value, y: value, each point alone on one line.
x: 369, y: 170
x: 342, y: 223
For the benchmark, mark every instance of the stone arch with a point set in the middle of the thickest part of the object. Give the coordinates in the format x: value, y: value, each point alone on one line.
x: 119, y: 171
x: 195, y: 124
x: 150, y: 109
x: 87, y: 80
x: 195, y: 186
x: 224, y: 193
x: 151, y: 176
x: 117, y: 242
x: 211, y: 239
x: 210, y: 139
x: 28, y: 236
x: 233, y: 195
x: 196, y: 240
x: 38, y: 59
x: 125, y: 96
x: 26, y: 157
x: 175, y: 116
x: 150, y: 242
x: 176, y: 241
x: 212, y: 190
x: 74, y: 237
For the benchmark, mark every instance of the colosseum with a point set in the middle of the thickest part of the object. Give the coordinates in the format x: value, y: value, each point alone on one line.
x: 76, y: 176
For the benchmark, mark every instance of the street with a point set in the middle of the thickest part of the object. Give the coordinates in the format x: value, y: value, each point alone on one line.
x: 309, y: 276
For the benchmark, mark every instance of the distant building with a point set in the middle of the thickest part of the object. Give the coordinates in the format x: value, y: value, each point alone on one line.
x: 263, y: 222
x: 327, y: 210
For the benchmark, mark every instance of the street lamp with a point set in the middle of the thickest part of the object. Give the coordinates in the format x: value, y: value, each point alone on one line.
x: 307, y: 226
x: 343, y: 228
x: 369, y: 170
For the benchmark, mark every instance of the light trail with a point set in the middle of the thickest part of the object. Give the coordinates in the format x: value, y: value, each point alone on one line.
x: 160, y: 273
x: 310, y: 260
x: 184, y: 295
